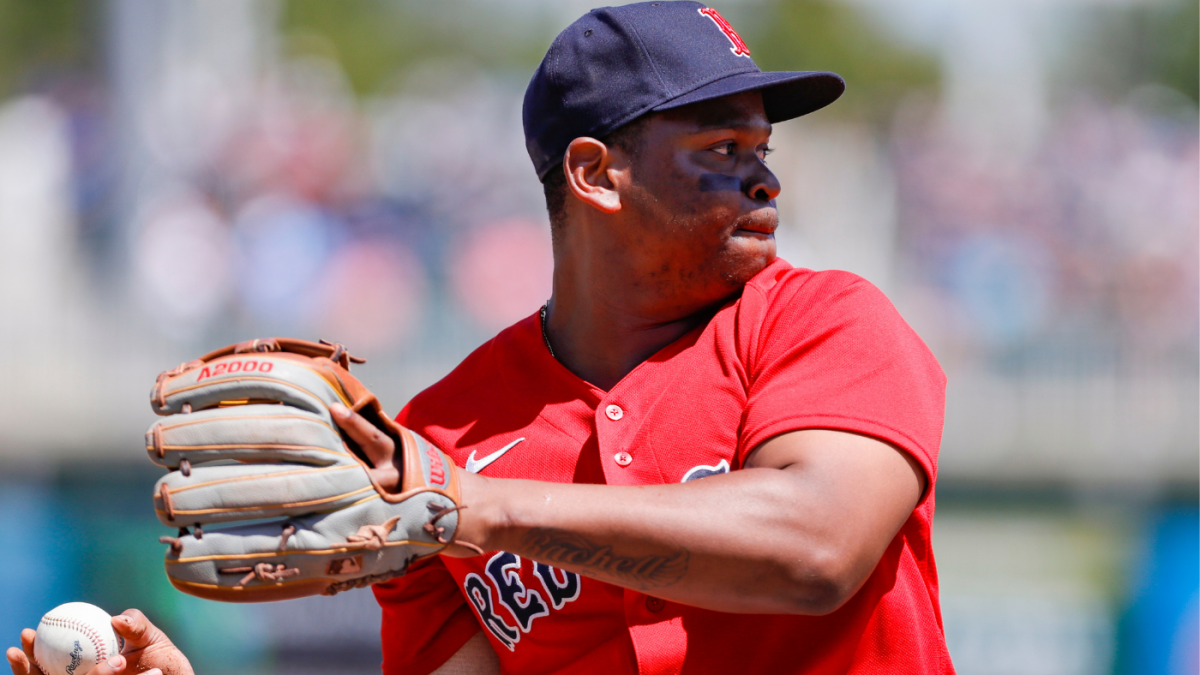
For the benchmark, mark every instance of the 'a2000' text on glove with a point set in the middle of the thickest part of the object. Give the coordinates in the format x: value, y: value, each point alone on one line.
x: 248, y: 436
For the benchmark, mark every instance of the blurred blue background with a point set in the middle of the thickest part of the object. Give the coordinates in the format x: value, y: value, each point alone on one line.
x: 1020, y: 176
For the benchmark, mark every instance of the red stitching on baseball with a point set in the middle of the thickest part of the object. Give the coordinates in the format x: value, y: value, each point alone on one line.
x: 96, y: 638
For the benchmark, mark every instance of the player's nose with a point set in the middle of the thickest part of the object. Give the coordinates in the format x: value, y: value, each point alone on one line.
x: 762, y: 185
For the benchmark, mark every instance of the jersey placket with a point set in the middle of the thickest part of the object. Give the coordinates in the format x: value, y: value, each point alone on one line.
x: 628, y: 458
x: 657, y: 632
x: 617, y: 423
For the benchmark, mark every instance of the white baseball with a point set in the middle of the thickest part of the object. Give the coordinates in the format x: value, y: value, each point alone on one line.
x: 73, y: 638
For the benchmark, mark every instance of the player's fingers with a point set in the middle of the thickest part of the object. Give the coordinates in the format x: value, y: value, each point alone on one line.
x: 145, y: 643
x: 16, y: 661
x: 136, y: 630
x: 113, y: 666
x: 27, y: 647
x: 27, y: 637
x: 377, y: 446
x: 19, y: 663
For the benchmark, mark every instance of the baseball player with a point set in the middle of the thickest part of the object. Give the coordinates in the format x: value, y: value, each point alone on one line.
x: 694, y: 458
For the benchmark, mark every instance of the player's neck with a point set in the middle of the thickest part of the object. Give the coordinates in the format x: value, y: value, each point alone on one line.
x: 600, y: 331
x: 603, y: 346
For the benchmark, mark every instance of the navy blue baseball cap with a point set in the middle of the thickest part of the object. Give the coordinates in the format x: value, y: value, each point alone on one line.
x: 616, y: 64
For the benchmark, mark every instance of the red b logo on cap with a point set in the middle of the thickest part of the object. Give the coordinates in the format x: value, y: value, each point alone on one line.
x: 739, y: 48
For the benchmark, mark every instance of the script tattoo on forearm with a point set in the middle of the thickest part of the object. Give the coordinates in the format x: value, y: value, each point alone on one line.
x: 594, y: 560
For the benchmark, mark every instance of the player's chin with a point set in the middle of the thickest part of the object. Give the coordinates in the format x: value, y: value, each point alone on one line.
x: 748, y: 253
x: 754, y: 241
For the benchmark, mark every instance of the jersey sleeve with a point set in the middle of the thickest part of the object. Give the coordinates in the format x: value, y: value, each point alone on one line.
x: 425, y: 619
x: 827, y: 350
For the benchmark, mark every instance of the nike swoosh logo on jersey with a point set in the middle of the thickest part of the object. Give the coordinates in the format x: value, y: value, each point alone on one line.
x: 477, y: 465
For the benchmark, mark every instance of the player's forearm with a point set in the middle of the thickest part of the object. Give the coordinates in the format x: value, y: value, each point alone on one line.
x: 750, y: 541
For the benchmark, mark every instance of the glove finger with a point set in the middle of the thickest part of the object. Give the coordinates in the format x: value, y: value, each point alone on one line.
x: 216, y: 494
x: 306, y: 555
x: 242, y: 378
x: 247, y: 433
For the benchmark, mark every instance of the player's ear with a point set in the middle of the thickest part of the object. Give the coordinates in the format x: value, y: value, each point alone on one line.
x: 590, y: 169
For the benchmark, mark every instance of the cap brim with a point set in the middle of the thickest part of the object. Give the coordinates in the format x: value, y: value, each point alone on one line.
x: 785, y: 95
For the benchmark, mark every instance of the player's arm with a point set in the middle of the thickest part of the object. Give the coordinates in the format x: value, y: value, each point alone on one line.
x: 798, y: 530
x: 147, y: 650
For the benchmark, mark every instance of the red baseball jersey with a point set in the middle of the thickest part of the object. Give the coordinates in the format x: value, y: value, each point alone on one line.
x: 798, y: 350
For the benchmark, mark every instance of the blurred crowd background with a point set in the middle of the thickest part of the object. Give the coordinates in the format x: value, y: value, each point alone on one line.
x: 1020, y: 176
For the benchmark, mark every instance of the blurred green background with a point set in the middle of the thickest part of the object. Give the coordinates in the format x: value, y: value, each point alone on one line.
x: 1020, y: 177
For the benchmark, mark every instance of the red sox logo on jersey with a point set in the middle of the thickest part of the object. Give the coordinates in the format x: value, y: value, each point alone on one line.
x: 739, y: 48
x: 523, y: 604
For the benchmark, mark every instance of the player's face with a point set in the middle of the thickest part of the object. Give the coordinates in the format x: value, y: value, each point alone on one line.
x: 703, y: 200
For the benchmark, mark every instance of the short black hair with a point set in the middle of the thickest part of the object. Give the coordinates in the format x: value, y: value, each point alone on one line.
x: 554, y: 186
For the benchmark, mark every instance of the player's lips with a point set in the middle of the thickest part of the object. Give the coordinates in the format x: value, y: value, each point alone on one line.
x: 761, y: 222
x: 756, y: 229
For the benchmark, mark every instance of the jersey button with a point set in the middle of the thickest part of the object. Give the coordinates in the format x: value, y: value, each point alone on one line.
x: 623, y: 458
x: 655, y: 604
x: 614, y: 412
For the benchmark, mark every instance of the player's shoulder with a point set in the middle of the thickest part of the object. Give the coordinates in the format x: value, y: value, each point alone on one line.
x: 782, y: 287
x: 785, y: 306
x: 479, y: 374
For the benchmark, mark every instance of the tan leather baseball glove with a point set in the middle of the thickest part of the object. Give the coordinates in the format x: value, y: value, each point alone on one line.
x: 250, y: 441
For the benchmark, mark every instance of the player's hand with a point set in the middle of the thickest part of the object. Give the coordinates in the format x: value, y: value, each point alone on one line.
x: 146, y: 647
x: 379, y: 448
x: 147, y: 651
